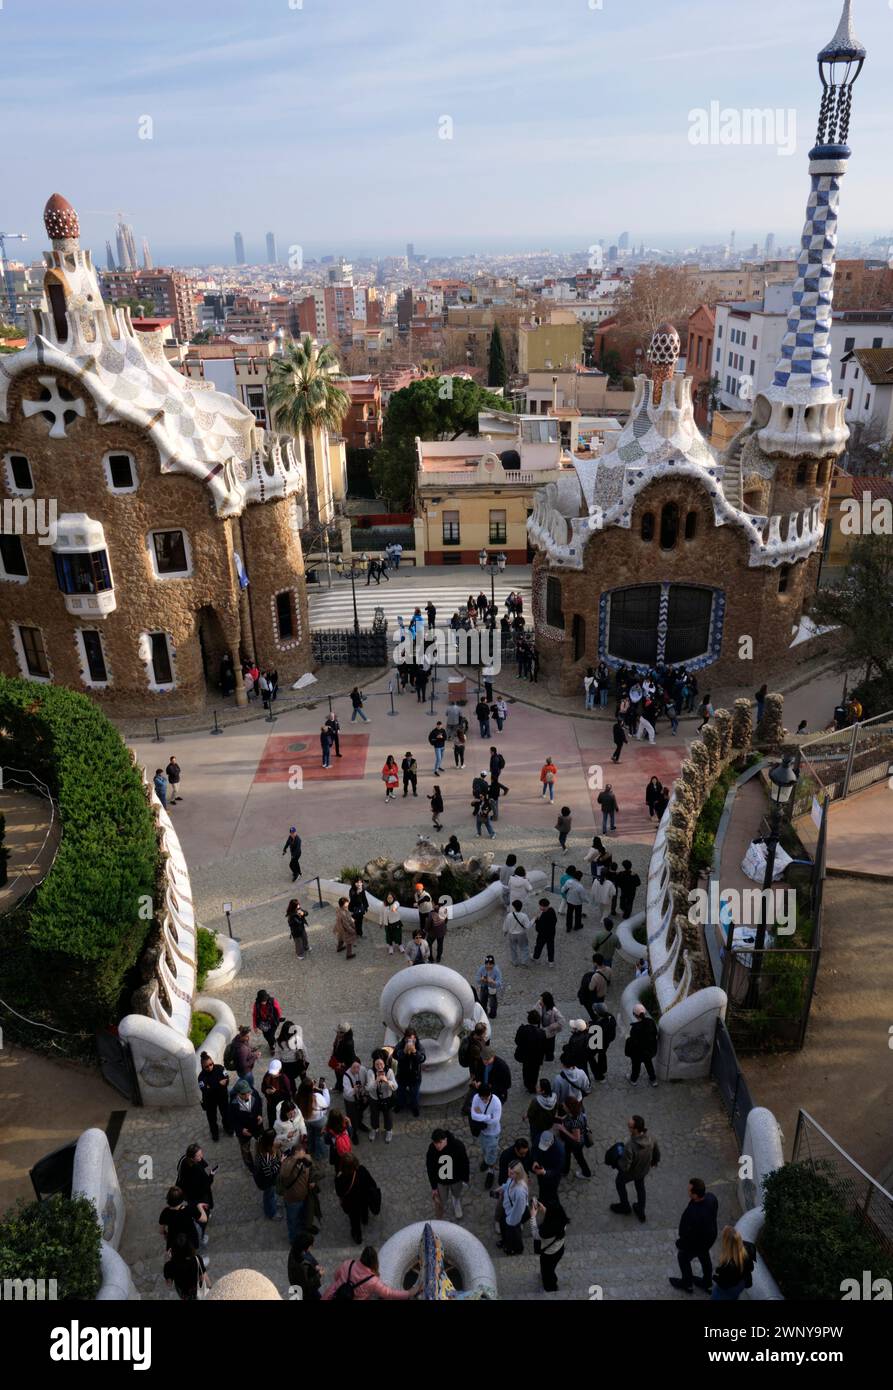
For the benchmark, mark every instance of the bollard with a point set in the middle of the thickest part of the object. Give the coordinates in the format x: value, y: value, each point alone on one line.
x: 271, y: 718
x: 391, y: 693
x: 216, y: 729
x: 157, y: 738
x: 552, y: 883
x: 331, y: 707
x: 319, y: 893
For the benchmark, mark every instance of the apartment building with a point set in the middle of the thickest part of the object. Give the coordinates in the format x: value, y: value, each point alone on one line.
x: 170, y: 291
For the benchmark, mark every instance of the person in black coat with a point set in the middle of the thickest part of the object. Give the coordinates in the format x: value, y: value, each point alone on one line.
x: 519, y: 1152
x: 620, y: 737
x: 448, y: 1169
x: 213, y: 1083
x: 334, y: 729
x: 292, y: 848
x: 653, y: 793
x: 493, y: 1071
x: 697, y: 1232
x: 641, y: 1045
x: 246, y: 1118
x: 550, y: 1224
x: 195, y: 1178
x: 530, y: 1050
x: 628, y: 884
x: 545, y: 924
x: 358, y: 904
x: 304, y: 1271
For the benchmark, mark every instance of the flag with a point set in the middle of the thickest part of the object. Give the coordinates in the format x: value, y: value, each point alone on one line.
x: 240, y: 570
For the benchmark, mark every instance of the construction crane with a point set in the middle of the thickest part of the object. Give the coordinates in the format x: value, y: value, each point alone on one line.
x: 7, y: 273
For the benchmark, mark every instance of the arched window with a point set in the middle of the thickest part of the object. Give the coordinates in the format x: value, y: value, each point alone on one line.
x: 783, y: 576
x: 801, y: 475
x: 691, y: 525
x: 56, y: 295
x: 669, y: 526
x: 554, y: 615
x: 648, y: 526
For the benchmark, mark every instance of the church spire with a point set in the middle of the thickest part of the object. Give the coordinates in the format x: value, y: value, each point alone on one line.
x: 803, y: 371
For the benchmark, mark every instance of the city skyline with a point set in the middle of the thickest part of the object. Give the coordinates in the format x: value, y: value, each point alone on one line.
x: 150, y: 122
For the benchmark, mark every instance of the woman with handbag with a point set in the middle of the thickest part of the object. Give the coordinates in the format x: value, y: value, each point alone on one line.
x: 184, y: 1271
x: 358, y: 1194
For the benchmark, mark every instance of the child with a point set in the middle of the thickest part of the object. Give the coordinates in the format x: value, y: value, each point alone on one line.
x: 641, y: 968
x: 563, y: 826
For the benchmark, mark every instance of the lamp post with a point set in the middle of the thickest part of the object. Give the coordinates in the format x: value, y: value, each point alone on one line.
x: 492, y: 563
x: 351, y: 572
x: 782, y: 781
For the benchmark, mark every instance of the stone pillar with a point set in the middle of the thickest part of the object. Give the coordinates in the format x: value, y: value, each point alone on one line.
x: 344, y: 530
x: 710, y: 737
x: 241, y: 697
x: 742, y: 725
x: 418, y: 533
x: 770, y: 730
x: 722, y: 723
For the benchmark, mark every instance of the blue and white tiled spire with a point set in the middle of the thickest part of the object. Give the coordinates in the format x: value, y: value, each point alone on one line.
x: 803, y: 371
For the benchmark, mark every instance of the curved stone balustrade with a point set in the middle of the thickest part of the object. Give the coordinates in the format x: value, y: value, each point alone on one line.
x: 462, y: 1249
x: 461, y: 913
x: 433, y: 989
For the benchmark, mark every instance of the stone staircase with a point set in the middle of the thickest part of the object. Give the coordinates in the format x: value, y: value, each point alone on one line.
x: 732, y: 484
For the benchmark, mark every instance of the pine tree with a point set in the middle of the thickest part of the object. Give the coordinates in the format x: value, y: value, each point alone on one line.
x: 497, y: 374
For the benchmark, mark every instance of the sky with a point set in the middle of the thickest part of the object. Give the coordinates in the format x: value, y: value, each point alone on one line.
x: 567, y: 122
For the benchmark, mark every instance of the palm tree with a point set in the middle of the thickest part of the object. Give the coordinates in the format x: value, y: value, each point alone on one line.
x: 304, y: 398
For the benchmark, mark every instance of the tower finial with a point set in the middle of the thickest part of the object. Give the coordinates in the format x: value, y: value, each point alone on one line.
x: 60, y: 219
x: 663, y: 354
x: 840, y: 63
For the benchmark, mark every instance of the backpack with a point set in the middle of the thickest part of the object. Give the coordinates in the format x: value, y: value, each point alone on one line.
x: 347, y: 1289
x: 464, y: 1053
x: 230, y: 1061
x: 608, y: 1025
x: 584, y: 995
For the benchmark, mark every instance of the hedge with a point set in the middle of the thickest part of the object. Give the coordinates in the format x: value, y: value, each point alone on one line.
x: 58, y: 1238
x: 811, y: 1241
x: 88, y: 920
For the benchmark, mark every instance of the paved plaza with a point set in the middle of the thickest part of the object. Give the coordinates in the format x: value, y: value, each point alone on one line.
x: 232, y: 822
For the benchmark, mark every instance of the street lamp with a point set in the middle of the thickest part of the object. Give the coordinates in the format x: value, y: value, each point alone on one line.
x: 492, y: 563
x: 351, y: 573
x: 782, y: 781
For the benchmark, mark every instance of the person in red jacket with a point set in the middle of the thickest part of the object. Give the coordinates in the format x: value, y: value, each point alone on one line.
x: 266, y: 1016
x: 390, y: 775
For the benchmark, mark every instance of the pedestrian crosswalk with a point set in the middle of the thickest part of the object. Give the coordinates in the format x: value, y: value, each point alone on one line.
x: 406, y: 590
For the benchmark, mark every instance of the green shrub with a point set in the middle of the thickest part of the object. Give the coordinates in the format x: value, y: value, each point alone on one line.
x: 208, y: 956
x: 199, y: 1028
x: 811, y: 1243
x: 86, y: 924
x: 59, y: 1239
x: 349, y: 872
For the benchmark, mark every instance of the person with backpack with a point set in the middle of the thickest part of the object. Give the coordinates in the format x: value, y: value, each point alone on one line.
x: 359, y: 1279
x: 297, y: 926
x: 410, y: 769
x: 594, y: 987
x: 548, y: 777
x: 266, y: 1016
x: 437, y: 739
x: 608, y: 802
x: 292, y: 848
x: 571, y: 1081
x: 620, y: 737
x: 246, y: 1118
x: 530, y: 1050
x: 344, y: 1052
x: 641, y: 1045
x: 573, y: 1129
x: 639, y: 1155
x: 358, y: 1194
x: 448, y: 1169
x: 213, y: 1085
x: 542, y: 1111
x: 563, y: 826
x: 304, y: 1270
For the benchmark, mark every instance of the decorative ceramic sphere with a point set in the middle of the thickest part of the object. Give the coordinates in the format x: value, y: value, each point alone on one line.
x: 60, y: 219
x: 664, y: 346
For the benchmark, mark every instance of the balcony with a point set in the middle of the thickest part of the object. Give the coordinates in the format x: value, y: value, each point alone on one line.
x: 82, y: 567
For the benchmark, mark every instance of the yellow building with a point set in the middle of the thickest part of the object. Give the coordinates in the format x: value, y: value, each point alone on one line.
x: 476, y: 494
x: 542, y: 346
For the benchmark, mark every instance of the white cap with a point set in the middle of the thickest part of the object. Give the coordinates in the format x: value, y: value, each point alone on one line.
x: 578, y: 1025
x: 275, y: 1067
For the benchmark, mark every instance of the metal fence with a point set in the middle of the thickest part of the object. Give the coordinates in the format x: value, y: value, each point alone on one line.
x: 344, y: 647
x: 730, y: 1080
x: 858, y: 1191
x: 839, y: 763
